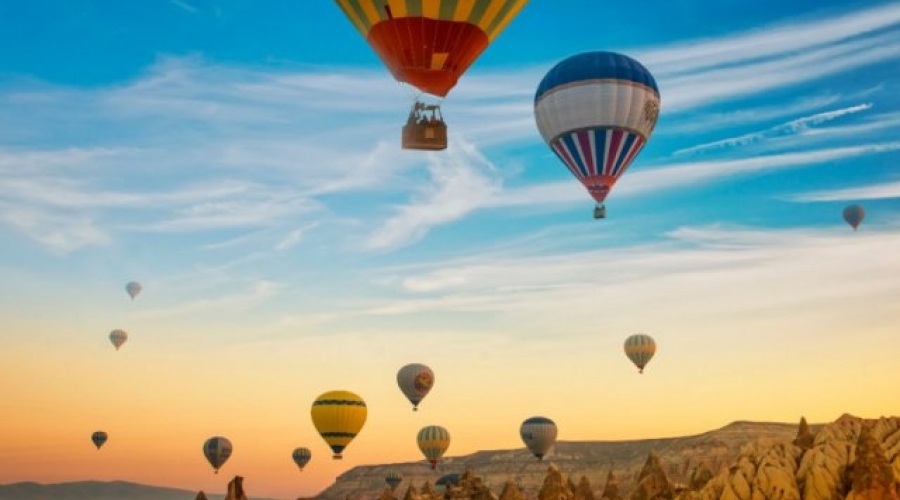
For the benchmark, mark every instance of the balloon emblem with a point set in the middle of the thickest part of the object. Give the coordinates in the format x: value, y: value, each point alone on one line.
x: 98, y: 438
x: 217, y: 450
x: 539, y: 434
x: 133, y: 288
x: 433, y: 440
x: 393, y: 479
x: 596, y: 111
x: 854, y: 215
x: 640, y: 349
x: 301, y: 457
x: 415, y: 380
x: 118, y: 337
x: 338, y: 417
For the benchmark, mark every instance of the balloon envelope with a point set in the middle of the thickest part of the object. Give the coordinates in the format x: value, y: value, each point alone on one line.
x: 393, y: 479
x: 98, y: 438
x: 338, y: 417
x: 854, y: 215
x: 133, y: 288
x: 539, y: 434
x: 596, y: 111
x: 217, y: 450
x: 415, y: 380
x: 430, y: 44
x: 433, y: 441
x: 118, y: 337
x: 301, y: 457
x: 640, y: 348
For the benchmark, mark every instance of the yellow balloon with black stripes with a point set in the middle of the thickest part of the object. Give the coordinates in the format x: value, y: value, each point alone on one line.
x: 338, y: 417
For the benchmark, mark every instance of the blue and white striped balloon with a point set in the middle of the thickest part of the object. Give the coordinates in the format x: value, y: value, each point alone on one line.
x: 596, y: 111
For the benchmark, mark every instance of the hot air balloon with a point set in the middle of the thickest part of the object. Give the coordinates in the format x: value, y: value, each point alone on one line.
x: 415, y: 380
x: 448, y: 480
x: 118, y: 337
x: 393, y: 479
x: 433, y: 440
x: 217, y: 450
x: 301, y: 457
x: 854, y: 215
x: 429, y: 45
x: 99, y: 437
x: 596, y: 111
x: 133, y: 288
x: 338, y: 416
x: 640, y: 349
x: 539, y: 434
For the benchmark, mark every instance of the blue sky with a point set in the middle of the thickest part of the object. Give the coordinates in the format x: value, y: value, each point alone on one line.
x: 243, y: 163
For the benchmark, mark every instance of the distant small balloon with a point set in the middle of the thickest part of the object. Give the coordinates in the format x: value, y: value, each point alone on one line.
x: 539, y: 434
x: 217, y: 450
x: 99, y: 437
x: 301, y: 457
x: 133, y: 288
x: 416, y: 381
x: 118, y: 337
x: 854, y: 215
x: 393, y: 479
x: 640, y: 348
x: 433, y: 441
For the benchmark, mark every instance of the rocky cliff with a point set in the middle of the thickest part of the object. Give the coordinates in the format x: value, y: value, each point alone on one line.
x: 711, y: 451
x: 849, y: 459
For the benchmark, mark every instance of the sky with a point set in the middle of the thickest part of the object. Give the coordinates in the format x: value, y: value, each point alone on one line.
x: 241, y: 160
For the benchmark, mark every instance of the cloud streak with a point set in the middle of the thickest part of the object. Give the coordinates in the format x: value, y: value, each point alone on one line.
x: 791, y: 127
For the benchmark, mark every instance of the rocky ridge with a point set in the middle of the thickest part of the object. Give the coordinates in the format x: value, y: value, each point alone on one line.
x: 849, y: 459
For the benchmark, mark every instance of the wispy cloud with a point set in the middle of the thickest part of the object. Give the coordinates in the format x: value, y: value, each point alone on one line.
x: 725, y: 269
x: 791, y: 127
x: 294, y: 237
x: 886, y: 190
x: 181, y: 4
x: 188, y: 120
x: 257, y: 293
x: 461, y: 181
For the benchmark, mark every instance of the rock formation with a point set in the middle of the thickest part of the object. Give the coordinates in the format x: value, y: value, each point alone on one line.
x: 848, y: 459
x: 386, y: 494
x: 511, y: 491
x: 652, y: 483
x: 804, y: 437
x: 236, y: 489
x: 583, y: 490
x: 872, y: 476
x: 555, y: 487
x: 200, y: 496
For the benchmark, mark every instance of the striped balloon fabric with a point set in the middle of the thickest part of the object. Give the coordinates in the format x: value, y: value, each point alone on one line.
x: 430, y: 44
x: 596, y: 111
x: 301, y: 457
x: 539, y: 434
x: 433, y: 440
x: 640, y: 348
x: 338, y: 417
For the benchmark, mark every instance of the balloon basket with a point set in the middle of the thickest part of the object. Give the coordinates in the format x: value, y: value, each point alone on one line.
x: 425, y: 129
